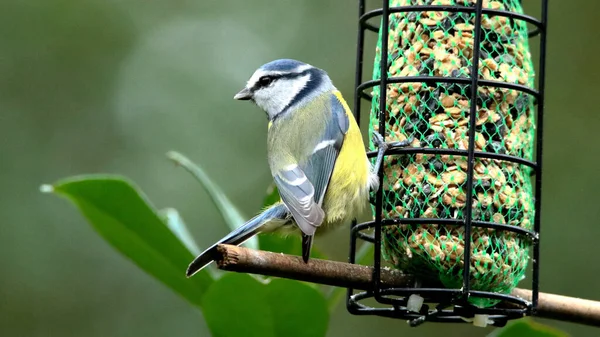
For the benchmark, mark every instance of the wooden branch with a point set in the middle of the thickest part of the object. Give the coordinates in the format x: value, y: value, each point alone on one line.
x: 564, y: 308
x: 346, y: 275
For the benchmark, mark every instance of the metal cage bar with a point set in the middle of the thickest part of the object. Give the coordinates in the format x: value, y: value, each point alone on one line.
x: 452, y: 304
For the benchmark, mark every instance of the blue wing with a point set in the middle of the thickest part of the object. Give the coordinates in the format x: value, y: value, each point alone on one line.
x: 302, y: 188
x: 322, y: 161
x: 297, y: 193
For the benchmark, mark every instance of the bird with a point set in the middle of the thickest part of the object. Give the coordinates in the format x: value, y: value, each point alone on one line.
x: 315, y: 153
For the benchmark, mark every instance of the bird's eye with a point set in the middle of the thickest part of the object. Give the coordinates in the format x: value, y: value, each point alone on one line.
x: 265, y: 81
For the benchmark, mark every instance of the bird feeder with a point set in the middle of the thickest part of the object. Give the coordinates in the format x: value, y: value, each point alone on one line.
x: 459, y: 208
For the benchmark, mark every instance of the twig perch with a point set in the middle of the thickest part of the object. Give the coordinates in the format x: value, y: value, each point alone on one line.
x: 346, y: 275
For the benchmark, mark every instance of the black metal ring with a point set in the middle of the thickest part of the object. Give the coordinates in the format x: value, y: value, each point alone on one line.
x: 453, y: 9
x: 531, y: 235
x: 453, y: 80
x: 457, y: 315
x: 458, y: 153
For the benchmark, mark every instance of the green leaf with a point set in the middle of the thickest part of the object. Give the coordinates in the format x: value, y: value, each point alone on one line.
x: 272, y: 195
x: 233, y: 217
x: 364, y: 256
x: 289, y: 244
x: 124, y: 217
x: 175, y: 223
x: 240, y: 305
x: 235, y: 305
x: 527, y: 328
x: 298, y: 309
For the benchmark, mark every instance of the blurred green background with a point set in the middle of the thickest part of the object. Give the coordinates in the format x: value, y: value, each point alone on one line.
x: 97, y: 86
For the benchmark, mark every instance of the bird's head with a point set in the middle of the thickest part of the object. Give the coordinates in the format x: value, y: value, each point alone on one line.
x: 281, y: 85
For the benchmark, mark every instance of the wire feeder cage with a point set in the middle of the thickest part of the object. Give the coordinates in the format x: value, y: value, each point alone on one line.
x: 460, y: 154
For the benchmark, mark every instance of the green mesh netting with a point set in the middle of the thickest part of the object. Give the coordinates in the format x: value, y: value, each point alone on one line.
x: 437, y: 116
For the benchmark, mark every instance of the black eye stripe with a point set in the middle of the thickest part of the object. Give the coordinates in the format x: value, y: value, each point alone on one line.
x: 261, y: 83
x: 276, y: 77
x: 265, y: 80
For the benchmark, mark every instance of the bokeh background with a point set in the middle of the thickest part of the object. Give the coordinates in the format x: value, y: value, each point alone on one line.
x: 106, y: 86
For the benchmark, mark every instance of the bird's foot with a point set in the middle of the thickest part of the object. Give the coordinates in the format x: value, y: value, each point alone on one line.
x: 382, y: 147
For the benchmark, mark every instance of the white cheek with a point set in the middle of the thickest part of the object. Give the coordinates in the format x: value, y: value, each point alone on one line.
x: 275, y: 98
x: 272, y: 99
x: 267, y: 99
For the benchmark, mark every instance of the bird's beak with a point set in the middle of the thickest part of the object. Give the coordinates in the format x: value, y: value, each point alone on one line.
x: 243, y: 95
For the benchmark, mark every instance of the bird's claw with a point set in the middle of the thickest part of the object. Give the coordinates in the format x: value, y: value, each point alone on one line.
x: 381, y: 144
x: 379, y: 141
x: 403, y: 143
x: 382, y: 147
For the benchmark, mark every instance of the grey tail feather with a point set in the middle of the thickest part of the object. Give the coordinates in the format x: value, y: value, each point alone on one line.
x: 238, y: 236
x: 307, y: 241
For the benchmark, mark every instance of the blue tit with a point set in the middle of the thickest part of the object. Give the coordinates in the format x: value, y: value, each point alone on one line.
x: 315, y: 152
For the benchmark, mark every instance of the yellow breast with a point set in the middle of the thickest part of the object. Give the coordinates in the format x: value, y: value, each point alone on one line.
x: 348, y: 189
